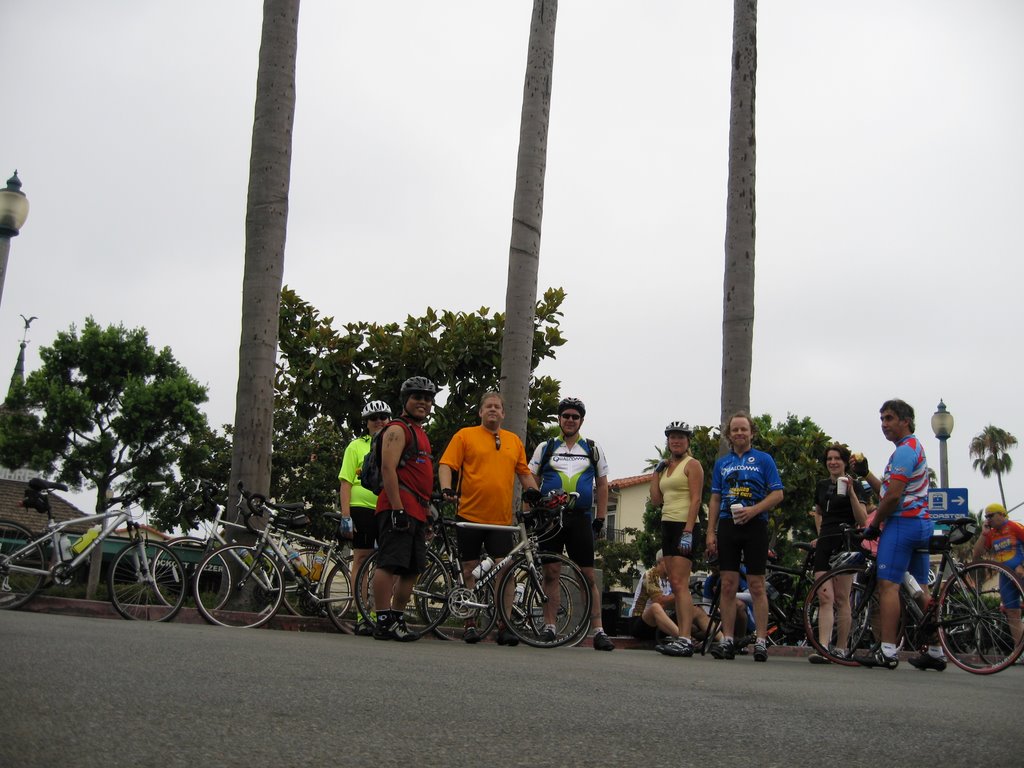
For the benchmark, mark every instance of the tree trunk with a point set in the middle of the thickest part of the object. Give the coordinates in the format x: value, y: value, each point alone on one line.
x: 738, y: 289
x: 527, y: 212
x: 266, y: 220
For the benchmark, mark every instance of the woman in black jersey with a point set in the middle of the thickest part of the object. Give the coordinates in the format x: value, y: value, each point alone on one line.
x: 837, y: 500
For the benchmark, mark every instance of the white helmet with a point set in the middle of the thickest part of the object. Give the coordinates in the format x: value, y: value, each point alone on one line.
x: 679, y: 426
x: 376, y: 406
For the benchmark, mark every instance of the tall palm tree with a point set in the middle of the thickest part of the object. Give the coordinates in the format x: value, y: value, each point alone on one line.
x: 527, y: 212
x: 738, y: 288
x: 989, y: 450
x: 266, y: 220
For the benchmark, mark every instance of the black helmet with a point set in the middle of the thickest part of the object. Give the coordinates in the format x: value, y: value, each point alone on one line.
x: 417, y: 384
x: 572, y: 402
x: 679, y: 426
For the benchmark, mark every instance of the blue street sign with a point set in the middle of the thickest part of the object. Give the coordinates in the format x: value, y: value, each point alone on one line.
x: 947, y: 503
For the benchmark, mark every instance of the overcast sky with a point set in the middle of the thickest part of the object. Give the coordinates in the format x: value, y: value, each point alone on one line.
x: 889, y: 193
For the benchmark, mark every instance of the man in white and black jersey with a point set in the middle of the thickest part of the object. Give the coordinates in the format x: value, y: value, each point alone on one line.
x: 573, y: 463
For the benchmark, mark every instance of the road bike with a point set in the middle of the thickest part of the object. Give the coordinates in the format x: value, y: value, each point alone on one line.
x: 242, y: 585
x: 974, y: 610
x: 444, y: 543
x: 145, y: 579
x: 219, y: 532
x: 440, y: 596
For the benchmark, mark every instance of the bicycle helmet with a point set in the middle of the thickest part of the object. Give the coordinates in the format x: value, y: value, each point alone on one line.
x: 572, y: 402
x: 376, y: 406
x: 679, y: 426
x: 417, y: 384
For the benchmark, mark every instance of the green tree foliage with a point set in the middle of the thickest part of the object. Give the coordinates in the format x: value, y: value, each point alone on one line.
x: 618, y: 560
x: 324, y: 378
x: 323, y: 372
x: 797, y: 445
x: 104, y: 409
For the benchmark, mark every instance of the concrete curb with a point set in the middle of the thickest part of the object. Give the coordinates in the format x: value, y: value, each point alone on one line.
x: 98, y: 609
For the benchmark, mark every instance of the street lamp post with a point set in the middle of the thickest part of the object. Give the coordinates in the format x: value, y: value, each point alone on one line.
x: 13, y: 212
x: 942, y: 426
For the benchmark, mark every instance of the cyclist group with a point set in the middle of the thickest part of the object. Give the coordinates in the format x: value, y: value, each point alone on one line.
x: 480, y: 465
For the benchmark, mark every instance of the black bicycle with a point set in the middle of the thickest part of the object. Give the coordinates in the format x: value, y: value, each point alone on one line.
x: 974, y: 610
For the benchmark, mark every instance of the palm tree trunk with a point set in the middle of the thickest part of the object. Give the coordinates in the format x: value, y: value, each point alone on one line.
x: 527, y: 212
x: 738, y: 288
x: 1002, y: 496
x: 266, y: 220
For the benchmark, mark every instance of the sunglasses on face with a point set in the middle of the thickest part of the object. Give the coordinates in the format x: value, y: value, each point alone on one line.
x: 377, y: 417
x: 990, y: 516
x: 424, y: 396
x: 571, y: 416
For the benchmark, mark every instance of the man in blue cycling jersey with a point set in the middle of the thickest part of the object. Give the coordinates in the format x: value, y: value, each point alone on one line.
x: 745, y: 488
x: 901, y: 525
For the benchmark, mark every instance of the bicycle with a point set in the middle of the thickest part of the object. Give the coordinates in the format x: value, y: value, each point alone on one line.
x: 440, y: 594
x: 243, y: 586
x: 191, y: 549
x: 967, y: 609
x: 145, y: 580
x: 444, y: 543
x: 786, y: 589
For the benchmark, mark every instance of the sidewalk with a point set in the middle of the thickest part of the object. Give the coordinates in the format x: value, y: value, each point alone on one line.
x: 283, y: 621
x: 99, y: 609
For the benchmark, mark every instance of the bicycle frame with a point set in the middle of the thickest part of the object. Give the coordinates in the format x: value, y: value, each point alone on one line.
x: 52, y: 535
x: 525, y: 544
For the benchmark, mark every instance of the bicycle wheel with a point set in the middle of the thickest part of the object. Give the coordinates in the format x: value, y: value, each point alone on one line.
x: 336, y: 592
x: 363, y: 587
x: 297, y: 600
x: 190, y: 552
x: 980, y: 618
x: 237, y: 587
x: 427, y: 606
x: 16, y: 589
x: 524, y: 614
x: 825, y: 616
x: 146, y: 582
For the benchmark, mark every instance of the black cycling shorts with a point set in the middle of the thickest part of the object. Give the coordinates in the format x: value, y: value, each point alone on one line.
x: 576, y: 537
x: 471, y: 540
x: 747, y: 543
x: 830, y: 541
x: 364, y: 535
x: 670, y: 534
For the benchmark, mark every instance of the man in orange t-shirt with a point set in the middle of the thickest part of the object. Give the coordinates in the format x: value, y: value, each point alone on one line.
x: 487, y: 460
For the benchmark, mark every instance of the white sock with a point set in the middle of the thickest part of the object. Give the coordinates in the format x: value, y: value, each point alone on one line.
x: 935, y: 651
x: 889, y: 649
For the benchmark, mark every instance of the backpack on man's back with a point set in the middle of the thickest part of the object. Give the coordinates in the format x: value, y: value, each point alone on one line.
x: 371, y: 477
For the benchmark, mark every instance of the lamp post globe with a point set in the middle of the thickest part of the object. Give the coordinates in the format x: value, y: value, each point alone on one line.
x: 13, y: 212
x: 942, y: 426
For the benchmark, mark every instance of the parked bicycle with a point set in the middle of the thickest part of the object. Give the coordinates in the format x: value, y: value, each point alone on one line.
x: 974, y: 609
x: 145, y: 580
x: 440, y: 598
x: 242, y: 585
x: 219, y: 532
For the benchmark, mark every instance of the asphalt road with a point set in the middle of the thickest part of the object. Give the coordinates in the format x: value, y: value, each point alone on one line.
x: 95, y: 692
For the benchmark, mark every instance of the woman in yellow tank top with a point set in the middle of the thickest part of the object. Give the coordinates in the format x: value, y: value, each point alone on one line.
x: 677, y: 487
